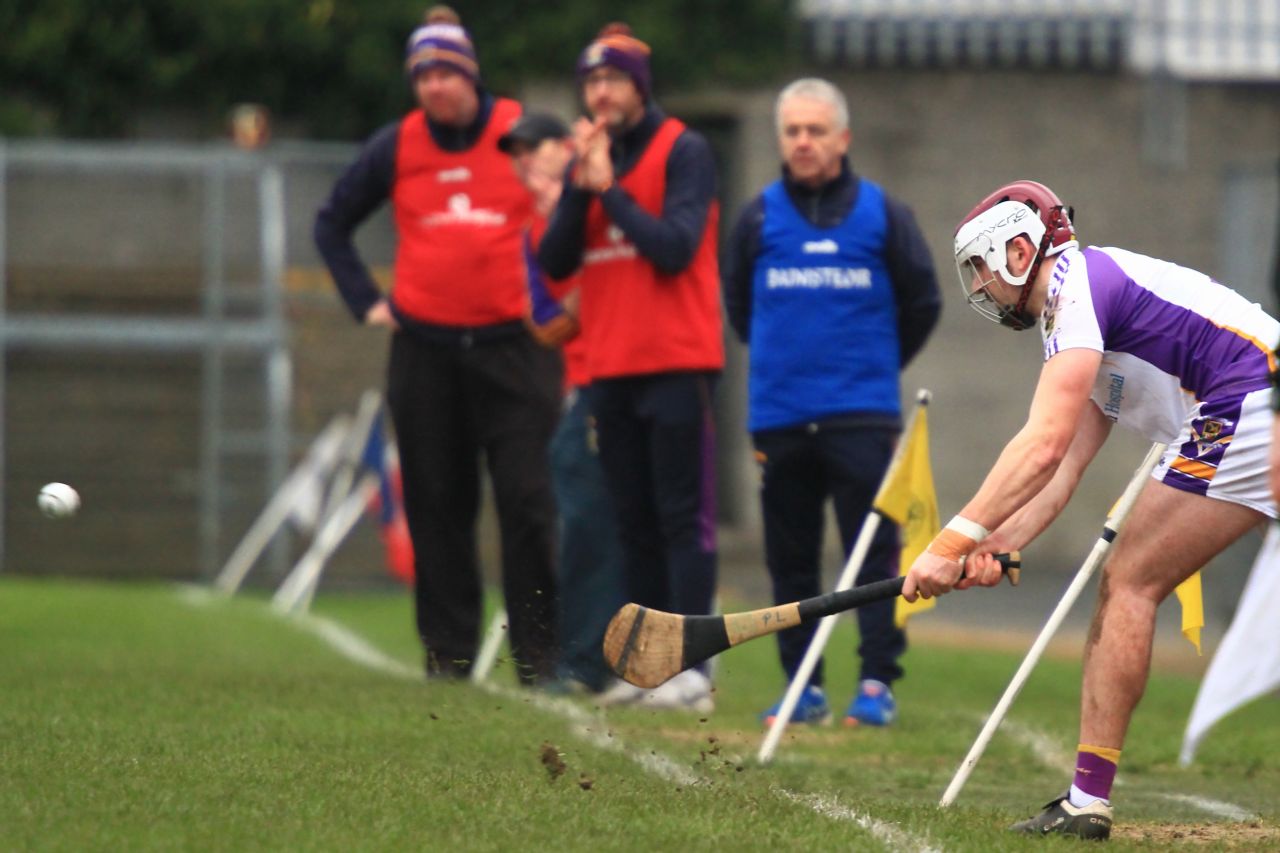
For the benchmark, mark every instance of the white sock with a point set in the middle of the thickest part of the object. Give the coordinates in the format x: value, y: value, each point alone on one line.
x: 1080, y: 799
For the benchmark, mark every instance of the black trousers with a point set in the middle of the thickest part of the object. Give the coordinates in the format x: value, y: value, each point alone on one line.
x: 451, y: 403
x: 657, y: 448
x: 801, y: 468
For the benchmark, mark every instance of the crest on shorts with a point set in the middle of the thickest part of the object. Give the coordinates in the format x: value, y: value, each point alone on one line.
x: 1206, y: 433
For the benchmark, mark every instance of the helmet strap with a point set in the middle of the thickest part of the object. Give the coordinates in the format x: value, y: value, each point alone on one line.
x: 1018, y: 317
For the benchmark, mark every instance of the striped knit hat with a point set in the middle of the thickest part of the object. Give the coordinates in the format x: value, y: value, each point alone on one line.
x: 441, y: 41
x: 615, y: 46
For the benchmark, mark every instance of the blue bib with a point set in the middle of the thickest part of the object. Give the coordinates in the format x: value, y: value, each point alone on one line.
x: 824, y: 321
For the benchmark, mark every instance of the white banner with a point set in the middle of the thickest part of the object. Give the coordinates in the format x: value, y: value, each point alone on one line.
x: 1247, y: 664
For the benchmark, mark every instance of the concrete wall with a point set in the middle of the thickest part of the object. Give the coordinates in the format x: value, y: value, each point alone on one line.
x: 937, y: 141
x: 1107, y: 144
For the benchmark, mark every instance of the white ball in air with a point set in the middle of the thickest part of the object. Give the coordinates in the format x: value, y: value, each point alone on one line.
x: 58, y: 500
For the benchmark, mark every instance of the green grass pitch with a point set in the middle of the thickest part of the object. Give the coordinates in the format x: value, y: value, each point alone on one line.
x: 140, y: 716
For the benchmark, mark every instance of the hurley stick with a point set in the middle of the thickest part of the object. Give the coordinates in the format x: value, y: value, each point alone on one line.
x: 646, y: 647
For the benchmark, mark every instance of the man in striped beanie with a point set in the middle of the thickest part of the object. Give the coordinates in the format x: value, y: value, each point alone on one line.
x: 617, y: 49
x: 465, y: 378
x: 638, y: 218
x: 441, y: 63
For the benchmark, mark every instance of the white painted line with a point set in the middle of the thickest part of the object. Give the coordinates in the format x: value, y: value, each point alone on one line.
x: 1052, y: 755
x: 1046, y: 750
x: 1229, y: 811
x: 590, y: 728
x: 342, y: 639
x: 355, y: 648
x: 594, y: 730
x: 890, y: 834
x: 197, y: 595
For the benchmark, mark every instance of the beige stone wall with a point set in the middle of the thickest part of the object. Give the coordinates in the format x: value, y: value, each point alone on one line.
x: 937, y: 141
x: 940, y: 141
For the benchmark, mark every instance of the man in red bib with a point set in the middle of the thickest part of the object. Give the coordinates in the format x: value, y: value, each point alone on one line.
x: 638, y: 218
x: 465, y: 378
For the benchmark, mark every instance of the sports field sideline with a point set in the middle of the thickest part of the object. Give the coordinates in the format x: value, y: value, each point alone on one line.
x: 158, y: 716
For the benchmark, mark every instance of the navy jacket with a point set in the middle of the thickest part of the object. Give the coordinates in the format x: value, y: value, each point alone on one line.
x: 907, y: 256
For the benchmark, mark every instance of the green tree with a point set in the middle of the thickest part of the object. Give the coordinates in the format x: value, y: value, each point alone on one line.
x: 89, y: 68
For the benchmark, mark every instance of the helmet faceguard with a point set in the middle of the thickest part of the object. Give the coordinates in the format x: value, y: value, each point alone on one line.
x: 1021, y: 209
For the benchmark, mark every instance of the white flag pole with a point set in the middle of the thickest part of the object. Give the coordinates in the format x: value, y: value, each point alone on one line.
x: 851, y: 568
x: 320, y: 457
x: 488, y: 654
x: 297, y: 587
x: 352, y: 453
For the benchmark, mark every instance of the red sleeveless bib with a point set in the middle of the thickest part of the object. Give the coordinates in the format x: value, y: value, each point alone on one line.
x: 635, y: 319
x: 459, y: 218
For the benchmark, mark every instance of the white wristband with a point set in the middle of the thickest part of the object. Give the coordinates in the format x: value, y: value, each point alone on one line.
x: 965, y: 527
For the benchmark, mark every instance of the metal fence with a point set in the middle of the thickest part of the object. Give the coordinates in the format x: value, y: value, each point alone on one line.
x: 145, y: 355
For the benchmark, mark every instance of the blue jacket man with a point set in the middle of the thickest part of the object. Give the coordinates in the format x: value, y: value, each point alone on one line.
x: 829, y: 282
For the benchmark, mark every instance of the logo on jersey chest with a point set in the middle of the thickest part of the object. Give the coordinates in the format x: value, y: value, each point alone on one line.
x: 458, y: 211
x: 617, y: 249
x: 453, y: 176
x: 820, y: 247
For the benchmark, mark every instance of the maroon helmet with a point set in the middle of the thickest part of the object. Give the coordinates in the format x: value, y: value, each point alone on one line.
x: 1021, y: 208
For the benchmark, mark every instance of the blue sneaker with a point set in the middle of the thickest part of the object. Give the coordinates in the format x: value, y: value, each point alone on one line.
x: 811, y: 708
x: 873, y: 706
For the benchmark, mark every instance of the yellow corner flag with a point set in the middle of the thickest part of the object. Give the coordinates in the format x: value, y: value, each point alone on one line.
x: 1192, y: 601
x: 907, y: 496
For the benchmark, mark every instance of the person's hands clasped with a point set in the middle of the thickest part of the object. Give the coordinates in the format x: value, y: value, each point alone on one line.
x: 594, y: 170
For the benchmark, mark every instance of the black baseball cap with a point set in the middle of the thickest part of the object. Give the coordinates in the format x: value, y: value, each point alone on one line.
x: 532, y: 129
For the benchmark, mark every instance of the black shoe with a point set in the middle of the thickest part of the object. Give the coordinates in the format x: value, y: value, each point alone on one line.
x: 1092, y: 822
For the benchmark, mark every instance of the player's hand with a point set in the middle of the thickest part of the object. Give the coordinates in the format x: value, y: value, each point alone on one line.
x: 981, y: 567
x: 379, y: 314
x: 930, y: 575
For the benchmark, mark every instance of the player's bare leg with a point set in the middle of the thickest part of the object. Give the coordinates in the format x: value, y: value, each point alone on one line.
x: 1169, y: 535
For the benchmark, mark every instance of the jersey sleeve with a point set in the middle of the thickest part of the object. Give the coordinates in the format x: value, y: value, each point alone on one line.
x: 1069, y: 319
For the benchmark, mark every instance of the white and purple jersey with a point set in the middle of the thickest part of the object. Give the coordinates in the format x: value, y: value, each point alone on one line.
x: 1186, y: 361
x: 1141, y: 397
